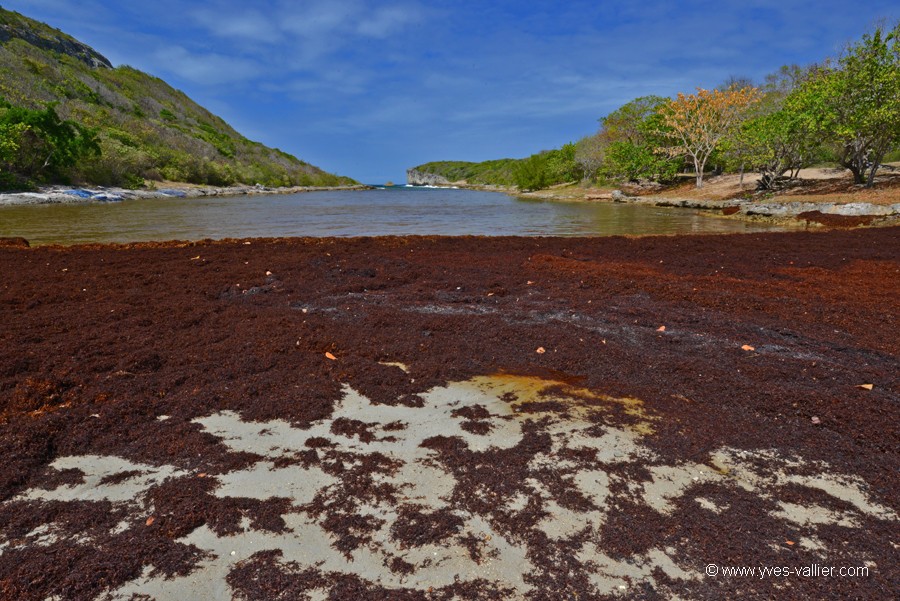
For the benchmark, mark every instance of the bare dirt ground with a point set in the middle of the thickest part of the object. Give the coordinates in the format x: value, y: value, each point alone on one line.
x: 814, y: 185
x: 819, y: 185
x: 452, y: 418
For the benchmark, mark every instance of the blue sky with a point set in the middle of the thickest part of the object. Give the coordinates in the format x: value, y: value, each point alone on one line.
x: 367, y: 89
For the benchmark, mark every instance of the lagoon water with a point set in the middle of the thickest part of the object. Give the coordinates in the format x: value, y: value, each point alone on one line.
x: 390, y: 211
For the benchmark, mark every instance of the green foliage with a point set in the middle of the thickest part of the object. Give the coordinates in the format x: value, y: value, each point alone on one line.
x: 561, y: 165
x: 634, y: 162
x: 77, y: 89
x: 34, y: 66
x: 11, y: 135
x: 490, y: 173
x: 773, y: 144
x: 38, y: 144
x: 590, y: 153
x: 784, y: 81
x: 637, y: 122
x: 855, y: 104
x: 532, y: 173
x: 221, y: 141
x: 634, y: 133
x: 547, y: 169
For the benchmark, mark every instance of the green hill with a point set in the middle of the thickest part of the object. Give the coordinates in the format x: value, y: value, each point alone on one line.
x: 539, y: 170
x: 499, y: 172
x: 145, y: 129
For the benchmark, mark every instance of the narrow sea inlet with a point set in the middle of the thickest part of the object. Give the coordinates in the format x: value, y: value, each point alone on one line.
x: 380, y: 212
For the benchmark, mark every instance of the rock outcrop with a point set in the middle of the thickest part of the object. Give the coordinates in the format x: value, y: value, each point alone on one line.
x: 45, y: 38
x: 421, y: 178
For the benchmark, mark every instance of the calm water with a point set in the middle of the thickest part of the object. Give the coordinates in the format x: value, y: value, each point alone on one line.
x: 392, y: 211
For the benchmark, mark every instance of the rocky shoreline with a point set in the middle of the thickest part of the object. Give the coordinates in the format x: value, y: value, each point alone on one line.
x: 763, y: 209
x: 823, y: 213
x: 65, y: 194
x: 820, y: 196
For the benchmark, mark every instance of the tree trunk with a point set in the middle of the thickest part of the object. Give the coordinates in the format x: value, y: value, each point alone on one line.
x: 770, y: 174
x: 742, y: 175
x: 698, y: 167
x: 768, y: 179
x: 855, y: 160
x: 859, y: 175
x: 870, y: 182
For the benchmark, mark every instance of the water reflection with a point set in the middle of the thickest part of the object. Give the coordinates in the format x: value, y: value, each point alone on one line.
x: 397, y: 211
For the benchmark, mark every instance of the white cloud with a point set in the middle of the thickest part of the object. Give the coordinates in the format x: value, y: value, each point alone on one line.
x: 207, y: 69
x: 315, y: 19
x: 251, y: 25
x: 60, y: 6
x: 325, y: 87
x: 314, y: 40
x: 387, y: 20
x: 336, y: 20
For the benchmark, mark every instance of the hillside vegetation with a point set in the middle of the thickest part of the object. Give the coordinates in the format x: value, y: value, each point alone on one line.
x: 142, y: 127
x: 537, y: 171
x: 496, y: 172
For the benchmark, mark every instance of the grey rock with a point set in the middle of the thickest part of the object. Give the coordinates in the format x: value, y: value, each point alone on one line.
x: 861, y: 208
x: 790, y: 209
x: 61, y: 44
x: 419, y: 178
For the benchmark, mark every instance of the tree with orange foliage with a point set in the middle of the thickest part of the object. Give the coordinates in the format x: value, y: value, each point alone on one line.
x: 699, y: 122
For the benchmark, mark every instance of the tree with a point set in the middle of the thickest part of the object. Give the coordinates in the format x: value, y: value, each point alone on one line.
x: 561, y: 165
x: 772, y: 138
x: 856, y: 104
x: 736, y: 82
x: 589, y: 152
x: 699, y: 122
x: 10, y: 139
x: 531, y: 173
x: 44, y: 143
x: 774, y: 144
x: 787, y: 79
x: 633, y: 134
x: 636, y: 162
x: 546, y: 168
x: 629, y: 123
x: 11, y: 135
